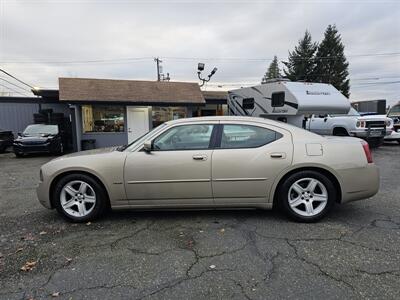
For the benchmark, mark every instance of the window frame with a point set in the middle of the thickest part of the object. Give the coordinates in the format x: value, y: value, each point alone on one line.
x: 211, y: 143
x: 217, y: 145
x: 280, y: 104
x: 83, y: 132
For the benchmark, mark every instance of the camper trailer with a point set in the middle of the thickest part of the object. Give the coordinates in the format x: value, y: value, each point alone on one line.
x: 287, y: 101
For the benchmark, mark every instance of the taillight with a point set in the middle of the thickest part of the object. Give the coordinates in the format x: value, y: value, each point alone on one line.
x: 367, y: 151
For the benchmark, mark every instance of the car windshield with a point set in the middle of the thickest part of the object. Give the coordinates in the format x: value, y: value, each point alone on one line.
x: 142, y: 138
x: 395, y: 109
x: 40, y: 129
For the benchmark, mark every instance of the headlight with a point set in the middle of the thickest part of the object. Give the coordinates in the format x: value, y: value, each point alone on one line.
x: 360, y: 124
x: 387, y: 123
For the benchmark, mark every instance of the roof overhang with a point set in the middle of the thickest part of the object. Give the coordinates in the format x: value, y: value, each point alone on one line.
x: 133, y: 92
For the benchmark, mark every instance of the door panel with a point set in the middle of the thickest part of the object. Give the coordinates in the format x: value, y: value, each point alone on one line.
x: 250, y: 172
x: 165, y: 178
x: 138, y: 122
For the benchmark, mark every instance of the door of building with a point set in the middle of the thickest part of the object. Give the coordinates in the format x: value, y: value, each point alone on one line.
x: 138, y: 122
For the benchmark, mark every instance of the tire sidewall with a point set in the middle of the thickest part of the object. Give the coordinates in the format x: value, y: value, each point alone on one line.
x: 101, y: 198
x: 284, y: 190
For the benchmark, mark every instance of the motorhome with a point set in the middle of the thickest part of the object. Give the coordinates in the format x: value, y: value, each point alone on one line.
x: 287, y: 101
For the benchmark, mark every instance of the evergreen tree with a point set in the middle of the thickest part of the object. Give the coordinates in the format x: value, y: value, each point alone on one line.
x: 273, y: 71
x: 331, y: 63
x: 301, y: 63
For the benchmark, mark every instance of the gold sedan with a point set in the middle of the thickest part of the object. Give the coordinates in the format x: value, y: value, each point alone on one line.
x: 213, y: 162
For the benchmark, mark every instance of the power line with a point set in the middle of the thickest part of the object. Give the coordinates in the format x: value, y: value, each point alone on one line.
x: 230, y: 59
x: 9, y: 82
x: 12, y: 76
x: 14, y: 91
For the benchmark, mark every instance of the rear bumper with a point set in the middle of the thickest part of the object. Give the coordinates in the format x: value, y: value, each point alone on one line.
x: 359, y: 183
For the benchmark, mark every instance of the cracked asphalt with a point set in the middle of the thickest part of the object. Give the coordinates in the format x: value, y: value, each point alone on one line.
x: 353, y: 253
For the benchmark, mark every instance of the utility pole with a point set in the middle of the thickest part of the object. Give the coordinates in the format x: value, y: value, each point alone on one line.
x: 158, y: 61
x: 160, y: 73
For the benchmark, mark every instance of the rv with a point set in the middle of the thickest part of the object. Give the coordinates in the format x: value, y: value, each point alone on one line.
x: 287, y: 101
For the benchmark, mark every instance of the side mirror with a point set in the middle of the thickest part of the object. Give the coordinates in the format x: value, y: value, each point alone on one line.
x: 147, y: 146
x: 325, y: 119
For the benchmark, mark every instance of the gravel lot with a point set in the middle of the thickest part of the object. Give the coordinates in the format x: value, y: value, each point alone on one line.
x: 354, y: 253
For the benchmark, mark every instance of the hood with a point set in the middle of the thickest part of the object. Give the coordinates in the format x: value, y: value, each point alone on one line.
x: 89, y: 152
x: 36, y: 139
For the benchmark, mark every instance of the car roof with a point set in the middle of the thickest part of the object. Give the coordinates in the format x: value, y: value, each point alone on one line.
x: 299, y: 131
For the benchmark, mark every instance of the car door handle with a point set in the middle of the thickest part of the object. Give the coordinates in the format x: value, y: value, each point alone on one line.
x: 200, y: 157
x: 278, y: 155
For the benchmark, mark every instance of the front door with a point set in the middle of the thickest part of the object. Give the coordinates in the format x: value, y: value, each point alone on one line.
x: 177, y: 172
x: 138, y: 122
x: 246, y: 163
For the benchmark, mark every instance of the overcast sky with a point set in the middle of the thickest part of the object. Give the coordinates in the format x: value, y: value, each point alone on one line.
x: 43, y: 40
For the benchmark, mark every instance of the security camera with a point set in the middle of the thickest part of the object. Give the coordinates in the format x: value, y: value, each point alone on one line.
x: 200, y: 67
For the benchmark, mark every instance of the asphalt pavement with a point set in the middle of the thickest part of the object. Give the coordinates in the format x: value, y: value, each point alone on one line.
x: 253, y: 254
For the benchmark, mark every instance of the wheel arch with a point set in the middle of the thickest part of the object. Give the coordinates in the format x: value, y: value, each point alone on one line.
x: 324, y: 171
x: 340, y: 128
x: 65, y: 173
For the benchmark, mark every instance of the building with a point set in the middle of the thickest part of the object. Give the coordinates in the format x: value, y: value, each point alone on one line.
x: 108, y: 112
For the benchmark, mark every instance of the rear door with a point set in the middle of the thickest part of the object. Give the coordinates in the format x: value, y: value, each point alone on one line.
x: 246, y: 160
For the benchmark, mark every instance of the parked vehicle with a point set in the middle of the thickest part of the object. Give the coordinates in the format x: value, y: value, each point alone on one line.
x: 394, y: 114
x: 287, y: 101
x: 6, y: 139
x: 39, y: 138
x: 394, y: 135
x: 372, y: 128
x: 213, y: 162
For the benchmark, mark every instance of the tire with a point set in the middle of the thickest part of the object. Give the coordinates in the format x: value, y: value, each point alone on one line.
x: 3, y: 149
x: 18, y: 155
x: 40, y: 119
x: 85, y: 204
x: 301, y: 204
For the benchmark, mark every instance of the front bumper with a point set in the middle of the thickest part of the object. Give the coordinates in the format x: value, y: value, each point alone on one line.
x: 43, y: 194
x: 36, y: 148
x: 359, y: 183
x: 394, y: 136
x: 369, y: 133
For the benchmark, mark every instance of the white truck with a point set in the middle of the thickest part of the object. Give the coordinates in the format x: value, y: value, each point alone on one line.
x: 372, y: 128
x: 318, y: 107
x: 394, y: 115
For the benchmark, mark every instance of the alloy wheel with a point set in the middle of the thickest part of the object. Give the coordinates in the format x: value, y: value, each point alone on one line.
x: 77, y: 198
x: 307, y: 197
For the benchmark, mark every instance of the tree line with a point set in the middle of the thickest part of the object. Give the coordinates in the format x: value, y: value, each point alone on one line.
x: 312, y: 62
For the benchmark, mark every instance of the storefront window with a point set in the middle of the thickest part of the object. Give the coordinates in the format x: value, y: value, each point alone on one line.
x: 164, y: 114
x: 103, y: 118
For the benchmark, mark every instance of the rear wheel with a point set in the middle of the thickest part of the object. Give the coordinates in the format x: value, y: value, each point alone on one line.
x: 307, y: 196
x: 79, y: 198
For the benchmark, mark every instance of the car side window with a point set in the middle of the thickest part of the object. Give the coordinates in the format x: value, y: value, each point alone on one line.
x: 246, y: 136
x: 184, y: 137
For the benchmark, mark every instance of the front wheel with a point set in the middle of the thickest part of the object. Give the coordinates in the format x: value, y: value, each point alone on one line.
x: 307, y: 196
x: 79, y: 198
